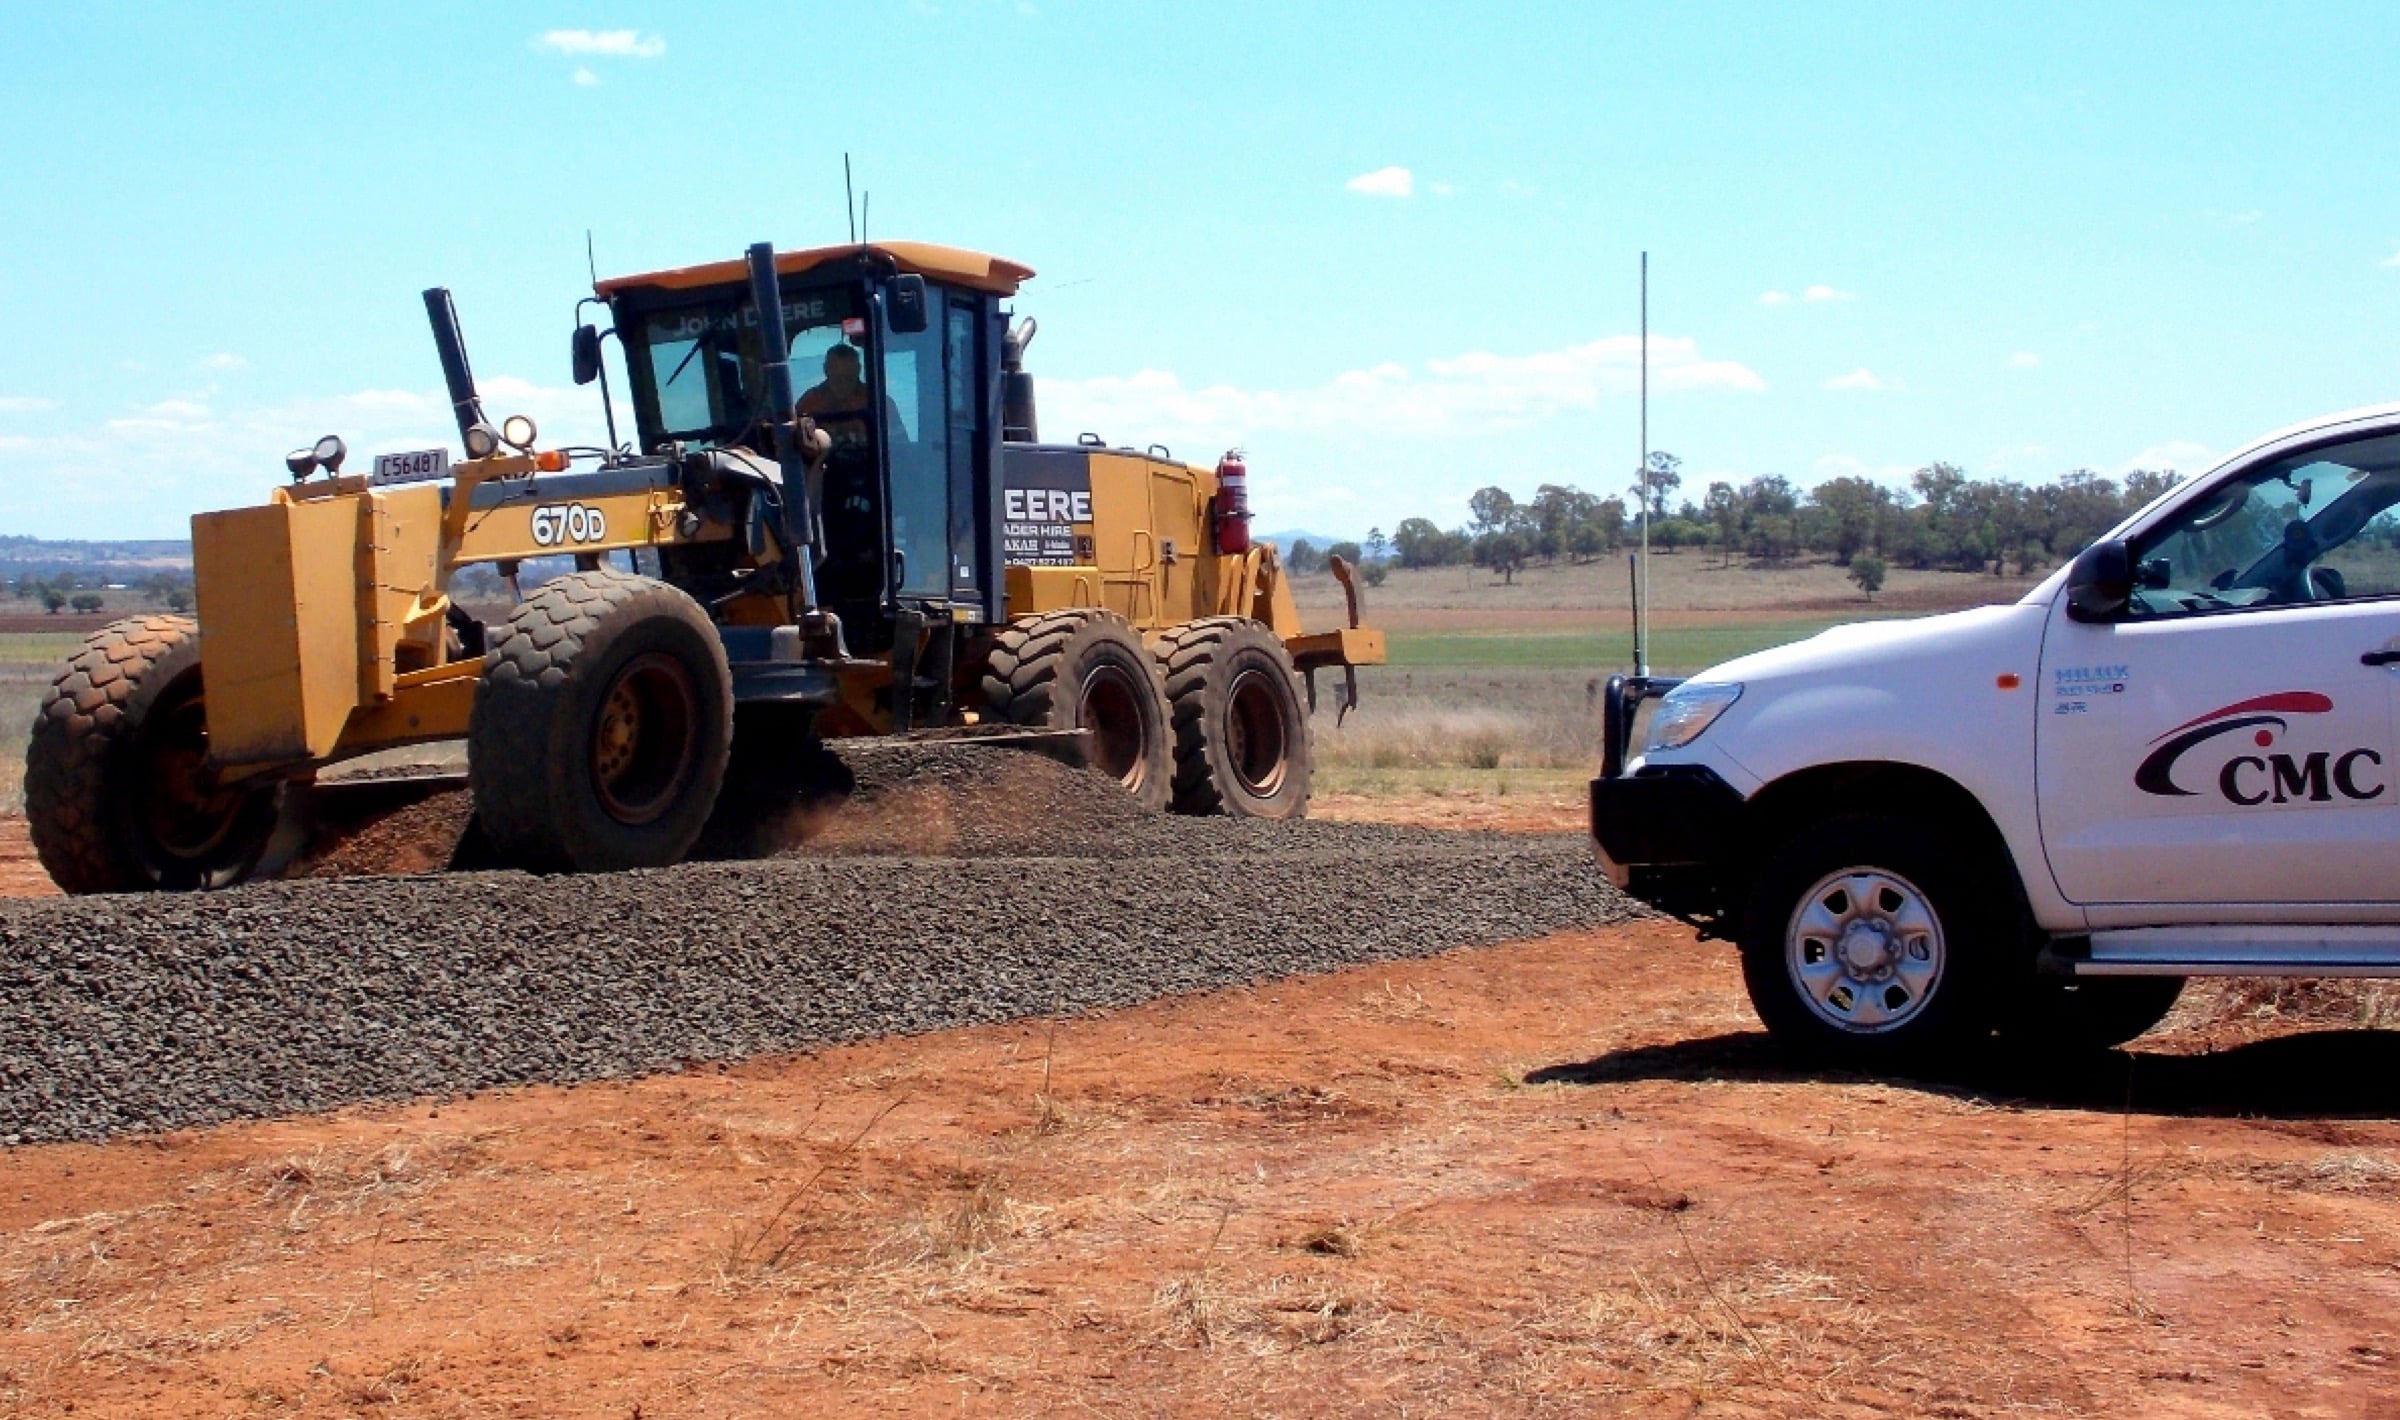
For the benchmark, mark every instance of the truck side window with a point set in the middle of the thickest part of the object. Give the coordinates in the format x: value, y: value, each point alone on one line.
x: 2314, y: 526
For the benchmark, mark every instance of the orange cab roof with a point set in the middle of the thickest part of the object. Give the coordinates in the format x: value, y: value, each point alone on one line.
x: 996, y: 274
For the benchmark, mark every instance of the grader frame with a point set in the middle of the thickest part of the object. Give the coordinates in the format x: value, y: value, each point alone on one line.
x: 329, y: 630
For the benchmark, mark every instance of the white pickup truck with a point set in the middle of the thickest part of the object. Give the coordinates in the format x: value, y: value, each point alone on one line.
x: 2178, y: 756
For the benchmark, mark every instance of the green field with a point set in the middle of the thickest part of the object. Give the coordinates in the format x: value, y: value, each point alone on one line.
x: 1676, y: 649
x: 37, y: 648
x: 28, y: 659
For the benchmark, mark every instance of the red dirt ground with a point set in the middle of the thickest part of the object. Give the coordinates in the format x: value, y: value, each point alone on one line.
x: 21, y: 873
x: 1523, y: 809
x: 1565, y: 1177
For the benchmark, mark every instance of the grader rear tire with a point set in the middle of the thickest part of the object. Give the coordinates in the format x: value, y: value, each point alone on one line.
x: 118, y: 796
x: 601, y: 726
x: 1084, y: 669
x: 1241, y: 735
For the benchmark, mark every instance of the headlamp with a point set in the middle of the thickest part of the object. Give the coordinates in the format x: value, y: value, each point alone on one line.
x: 1687, y: 712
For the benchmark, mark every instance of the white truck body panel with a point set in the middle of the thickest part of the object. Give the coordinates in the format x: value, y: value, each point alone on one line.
x: 2228, y: 781
x: 1896, y: 692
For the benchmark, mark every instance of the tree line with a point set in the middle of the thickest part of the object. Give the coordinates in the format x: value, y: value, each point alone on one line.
x: 1944, y: 520
x: 61, y: 591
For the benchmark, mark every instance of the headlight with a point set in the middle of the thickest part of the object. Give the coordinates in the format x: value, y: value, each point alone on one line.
x: 330, y: 451
x: 1689, y: 709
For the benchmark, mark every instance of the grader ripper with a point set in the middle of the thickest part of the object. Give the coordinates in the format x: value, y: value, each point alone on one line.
x: 891, y: 552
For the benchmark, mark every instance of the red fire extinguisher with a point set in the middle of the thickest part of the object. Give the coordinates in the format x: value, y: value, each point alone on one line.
x: 1232, y: 512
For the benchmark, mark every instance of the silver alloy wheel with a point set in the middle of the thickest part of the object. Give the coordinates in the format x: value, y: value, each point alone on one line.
x: 1865, y: 950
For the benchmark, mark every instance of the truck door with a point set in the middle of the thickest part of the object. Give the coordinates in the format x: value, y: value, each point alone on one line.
x: 2223, y: 744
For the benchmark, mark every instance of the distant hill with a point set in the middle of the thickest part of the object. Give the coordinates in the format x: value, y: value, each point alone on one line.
x: 1283, y: 540
x: 39, y: 557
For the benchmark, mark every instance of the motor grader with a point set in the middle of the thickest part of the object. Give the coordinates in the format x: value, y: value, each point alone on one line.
x: 890, y: 552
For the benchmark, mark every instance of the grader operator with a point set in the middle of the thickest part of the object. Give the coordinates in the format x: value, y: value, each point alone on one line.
x: 891, y: 553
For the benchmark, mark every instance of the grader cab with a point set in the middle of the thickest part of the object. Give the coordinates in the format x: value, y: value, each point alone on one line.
x: 889, y: 551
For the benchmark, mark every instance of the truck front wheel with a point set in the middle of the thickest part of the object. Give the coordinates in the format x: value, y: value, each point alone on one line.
x: 1868, y: 940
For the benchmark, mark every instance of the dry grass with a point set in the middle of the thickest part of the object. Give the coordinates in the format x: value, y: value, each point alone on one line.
x: 2363, y: 1005
x: 1466, y: 719
x: 21, y: 688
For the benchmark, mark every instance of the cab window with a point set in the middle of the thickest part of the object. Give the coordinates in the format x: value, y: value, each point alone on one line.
x: 697, y: 369
x: 2314, y: 526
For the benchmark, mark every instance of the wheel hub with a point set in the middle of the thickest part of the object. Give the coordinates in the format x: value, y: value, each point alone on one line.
x: 1108, y: 705
x: 644, y: 742
x: 1865, y: 950
x: 620, y: 727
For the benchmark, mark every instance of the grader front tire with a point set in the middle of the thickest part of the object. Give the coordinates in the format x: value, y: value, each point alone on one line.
x: 119, y: 796
x: 1085, y: 669
x: 1241, y: 734
x: 601, y: 726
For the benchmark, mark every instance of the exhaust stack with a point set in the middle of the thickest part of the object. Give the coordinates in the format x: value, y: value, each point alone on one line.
x: 775, y: 358
x: 1016, y: 386
x: 465, y: 404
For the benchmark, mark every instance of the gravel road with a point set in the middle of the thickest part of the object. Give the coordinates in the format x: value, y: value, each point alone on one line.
x: 123, y: 1014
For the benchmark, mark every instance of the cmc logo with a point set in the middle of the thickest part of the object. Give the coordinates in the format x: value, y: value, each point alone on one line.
x: 2270, y: 777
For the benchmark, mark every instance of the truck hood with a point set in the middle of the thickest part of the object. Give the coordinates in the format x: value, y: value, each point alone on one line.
x: 1883, y: 648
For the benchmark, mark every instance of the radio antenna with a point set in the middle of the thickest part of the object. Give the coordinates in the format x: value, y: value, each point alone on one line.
x: 866, y: 204
x: 1641, y: 614
x: 590, y: 262
x: 849, y: 199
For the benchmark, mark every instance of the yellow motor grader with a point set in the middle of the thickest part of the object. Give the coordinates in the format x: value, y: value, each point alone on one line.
x: 889, y: 552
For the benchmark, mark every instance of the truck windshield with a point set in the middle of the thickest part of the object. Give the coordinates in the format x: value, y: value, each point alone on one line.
x: 702, y: 381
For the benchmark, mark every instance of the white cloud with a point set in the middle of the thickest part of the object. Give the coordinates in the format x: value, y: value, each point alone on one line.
x: 585, y: 78
x: 2182, y: 455
x: 24, y: 404
x: 1478, y: 392
x: 145, y: 472
x: 225, y: 360
x: 1774, y: 298
x: 1861, y: 378
x: 1385, y: 182
x: 1830, y: 466
x: 1823, y: 292
x: 2024, y: 360
x: 168, y: 416
x: 617, y: 44
x: 2393, y: 260
x: 1443, y: 189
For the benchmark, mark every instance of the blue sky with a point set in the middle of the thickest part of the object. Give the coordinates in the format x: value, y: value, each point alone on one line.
x: 1390, y: 249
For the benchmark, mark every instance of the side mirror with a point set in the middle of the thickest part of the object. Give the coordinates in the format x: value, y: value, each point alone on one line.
x: 2100, y: 584
x: 904, y: 304
x: 587, y: 354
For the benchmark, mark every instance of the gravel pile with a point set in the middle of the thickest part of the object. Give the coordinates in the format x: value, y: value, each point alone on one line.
x: 140, y: 1013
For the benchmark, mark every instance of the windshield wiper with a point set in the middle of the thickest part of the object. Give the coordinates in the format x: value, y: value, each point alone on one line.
x: 686, y: 362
